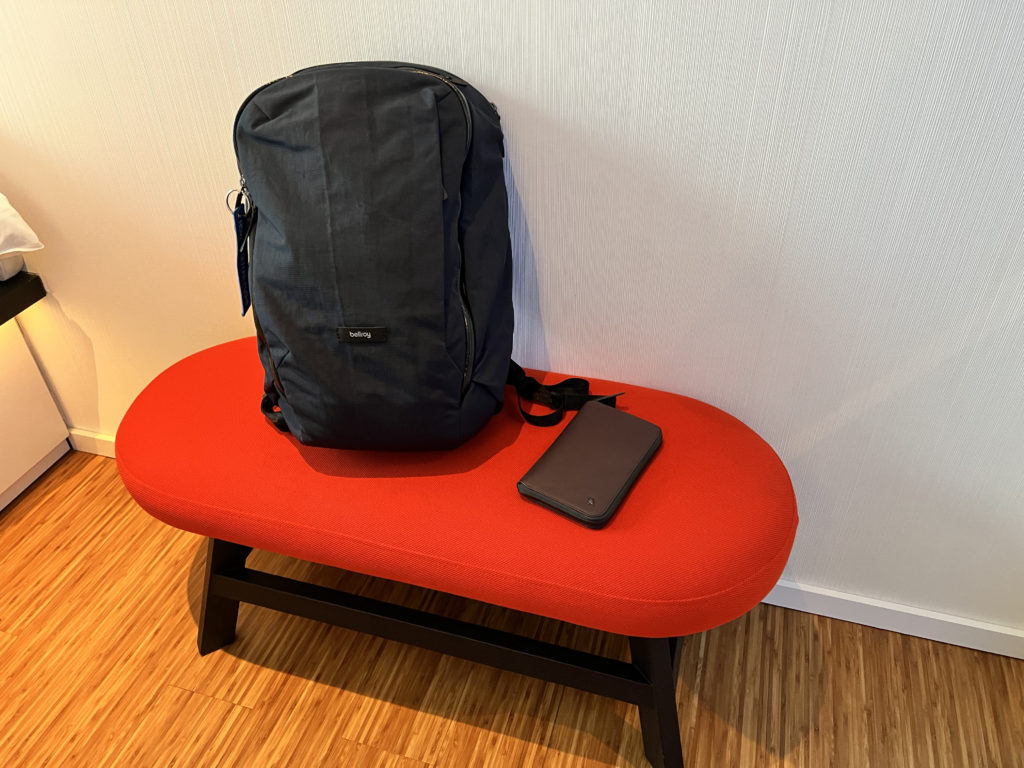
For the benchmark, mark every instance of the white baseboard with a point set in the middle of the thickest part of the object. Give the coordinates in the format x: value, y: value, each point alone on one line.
x: 905, y: 619
x: 23, y: 482
x: 92, y: 442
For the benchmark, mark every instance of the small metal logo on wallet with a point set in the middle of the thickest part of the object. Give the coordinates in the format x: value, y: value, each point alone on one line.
x: 376, y: 334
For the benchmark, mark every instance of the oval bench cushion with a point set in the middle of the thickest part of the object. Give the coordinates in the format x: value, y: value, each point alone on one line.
x: 701, y: 539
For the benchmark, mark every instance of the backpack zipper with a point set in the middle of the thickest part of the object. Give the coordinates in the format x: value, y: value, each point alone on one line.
x: 458, y: 92
x: 467, y: 317
x: 447, y: 80
x: 467, y: 370
x: 245, y: 103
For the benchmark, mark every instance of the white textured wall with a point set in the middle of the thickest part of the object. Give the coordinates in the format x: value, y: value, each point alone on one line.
x: 809, y: 214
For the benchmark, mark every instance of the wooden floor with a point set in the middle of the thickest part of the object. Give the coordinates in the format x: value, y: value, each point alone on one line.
x: 98, y: 667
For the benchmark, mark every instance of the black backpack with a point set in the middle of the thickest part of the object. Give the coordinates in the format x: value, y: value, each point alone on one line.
x: 374, y: 249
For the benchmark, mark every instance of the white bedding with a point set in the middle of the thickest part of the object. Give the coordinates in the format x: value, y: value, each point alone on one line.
x: 16, y: 238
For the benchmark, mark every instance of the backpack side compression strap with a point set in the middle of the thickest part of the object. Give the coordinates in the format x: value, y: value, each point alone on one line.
x: 566, y: 395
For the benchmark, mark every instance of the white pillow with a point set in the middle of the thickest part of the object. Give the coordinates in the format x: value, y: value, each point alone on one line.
x: 15, y: 235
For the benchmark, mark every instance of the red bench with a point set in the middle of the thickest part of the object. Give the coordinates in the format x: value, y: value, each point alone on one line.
x: 700, y: 540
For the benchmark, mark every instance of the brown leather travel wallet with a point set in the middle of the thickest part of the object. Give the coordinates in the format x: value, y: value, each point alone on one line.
x: 590, y: 467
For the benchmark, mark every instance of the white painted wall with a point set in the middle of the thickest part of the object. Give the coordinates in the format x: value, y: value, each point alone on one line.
x: 809, y: 214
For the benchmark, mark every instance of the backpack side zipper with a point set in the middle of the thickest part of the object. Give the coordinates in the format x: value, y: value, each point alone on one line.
x: 467, y: 316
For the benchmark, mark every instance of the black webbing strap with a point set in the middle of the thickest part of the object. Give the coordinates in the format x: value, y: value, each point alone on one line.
x: 566, y: 395
x: 273, y: 414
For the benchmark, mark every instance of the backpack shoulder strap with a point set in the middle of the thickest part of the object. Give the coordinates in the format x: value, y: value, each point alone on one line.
x: 566, y: 395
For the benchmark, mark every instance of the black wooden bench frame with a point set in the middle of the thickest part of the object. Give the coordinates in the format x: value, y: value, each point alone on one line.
x: 647, y: 681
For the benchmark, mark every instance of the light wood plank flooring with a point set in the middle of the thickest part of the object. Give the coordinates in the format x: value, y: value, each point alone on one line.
x: 98, y: 667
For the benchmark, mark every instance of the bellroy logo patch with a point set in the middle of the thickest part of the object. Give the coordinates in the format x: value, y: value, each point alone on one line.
x: 363, y: 335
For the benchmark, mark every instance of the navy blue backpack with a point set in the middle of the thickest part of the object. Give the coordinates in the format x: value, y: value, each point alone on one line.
x: 374, y: 251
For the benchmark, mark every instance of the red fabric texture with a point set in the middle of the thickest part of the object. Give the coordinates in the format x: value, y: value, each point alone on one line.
x: 700, y: 540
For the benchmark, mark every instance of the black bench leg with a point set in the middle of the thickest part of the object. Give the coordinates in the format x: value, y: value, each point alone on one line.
x: 657, y: 660
x: 219, y: 614
x: 675, y: 645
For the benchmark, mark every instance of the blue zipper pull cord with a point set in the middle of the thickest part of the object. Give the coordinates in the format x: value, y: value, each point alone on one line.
x: 244, y: 215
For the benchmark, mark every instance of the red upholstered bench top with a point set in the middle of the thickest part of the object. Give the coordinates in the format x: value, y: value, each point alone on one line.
x: 700, y: 540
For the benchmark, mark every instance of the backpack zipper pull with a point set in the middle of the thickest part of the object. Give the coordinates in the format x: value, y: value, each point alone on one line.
x: 244, y: 215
